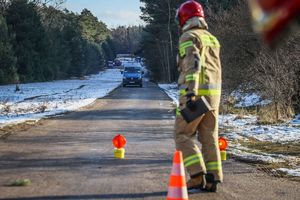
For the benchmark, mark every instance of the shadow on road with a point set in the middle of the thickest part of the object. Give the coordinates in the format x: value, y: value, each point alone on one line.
x: 100, y: 196
x: 77, y: 162
x: 120, y: 114
x: 149, y: 92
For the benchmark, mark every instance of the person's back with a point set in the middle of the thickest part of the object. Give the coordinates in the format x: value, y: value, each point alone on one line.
x: 210, y: 73
x: 200, y: 76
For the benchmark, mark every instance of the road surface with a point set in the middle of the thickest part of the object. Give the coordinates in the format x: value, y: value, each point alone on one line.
x: 71, y: 156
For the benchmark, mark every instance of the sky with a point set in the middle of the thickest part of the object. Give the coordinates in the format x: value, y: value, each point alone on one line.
x: 112, y: 12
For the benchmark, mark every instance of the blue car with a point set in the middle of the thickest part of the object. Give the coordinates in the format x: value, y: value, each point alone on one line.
x: 133, y: 75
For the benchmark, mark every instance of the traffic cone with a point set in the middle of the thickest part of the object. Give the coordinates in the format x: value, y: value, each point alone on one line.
x: 177, y: 185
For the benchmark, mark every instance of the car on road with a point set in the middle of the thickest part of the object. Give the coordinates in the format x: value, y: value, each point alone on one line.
x: 118, y: 63
x: 133, y: 74
x: 110, y: 64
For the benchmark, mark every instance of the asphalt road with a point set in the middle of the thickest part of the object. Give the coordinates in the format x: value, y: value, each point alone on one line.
x: 71, y: 156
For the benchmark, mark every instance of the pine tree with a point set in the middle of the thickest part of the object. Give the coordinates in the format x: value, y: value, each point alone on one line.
x: 8, y: 73
x: 75, y: 44
x: 92, y: 29
x: 30, y: 45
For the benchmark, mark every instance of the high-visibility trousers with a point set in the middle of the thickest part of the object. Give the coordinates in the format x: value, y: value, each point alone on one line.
x: 205, y: 129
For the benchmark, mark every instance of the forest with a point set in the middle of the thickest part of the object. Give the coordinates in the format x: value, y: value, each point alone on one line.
x: 39, y: 41
x: 247, y: 64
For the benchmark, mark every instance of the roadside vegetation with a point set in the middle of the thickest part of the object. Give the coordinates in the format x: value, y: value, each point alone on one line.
x: 127, y: 39
x: 248, y: 65
x: 40, y: 42
x: 290, y: 148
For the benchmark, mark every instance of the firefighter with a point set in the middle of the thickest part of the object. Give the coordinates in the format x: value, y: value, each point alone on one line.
x: 200, y: 75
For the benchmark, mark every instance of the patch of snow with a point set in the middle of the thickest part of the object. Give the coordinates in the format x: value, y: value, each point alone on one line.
x: 234, y: 120
x: 248, y: 100
x: 172, y: 91
x: 292, y: 172
x: 280, y: 134
x: 253, y: 157
x: 37, y: 100
x: 247, y: 127
x: 296, y: 120
x: 245, y: 153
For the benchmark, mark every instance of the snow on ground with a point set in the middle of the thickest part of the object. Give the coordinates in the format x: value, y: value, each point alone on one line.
x: 37, y: 100
x: 296, y: 121
x: 245, y: 127
x: 292, y: 172
x: 248, y: 99
x: 171, y: 90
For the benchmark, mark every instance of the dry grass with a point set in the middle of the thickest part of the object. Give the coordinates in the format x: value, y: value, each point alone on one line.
x: 268, y: 115
x: 292, y: 149
x: 230, y: 109
x: 289, y: 149
x: 6, y: 131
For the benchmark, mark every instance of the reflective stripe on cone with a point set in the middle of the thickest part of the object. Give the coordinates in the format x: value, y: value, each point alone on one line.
x: 177, y: 184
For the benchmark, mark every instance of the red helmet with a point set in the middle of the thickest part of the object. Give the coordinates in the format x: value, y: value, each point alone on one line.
x: 188, y: 10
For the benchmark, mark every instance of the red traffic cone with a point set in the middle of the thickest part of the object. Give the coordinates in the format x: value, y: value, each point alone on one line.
x: 177, y: 185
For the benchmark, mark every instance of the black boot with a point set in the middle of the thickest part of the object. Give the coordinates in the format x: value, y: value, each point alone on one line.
x: 211, y: 184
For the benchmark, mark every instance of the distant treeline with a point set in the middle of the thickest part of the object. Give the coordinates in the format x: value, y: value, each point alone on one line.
x: 127, y: 39
x: 39, y: 42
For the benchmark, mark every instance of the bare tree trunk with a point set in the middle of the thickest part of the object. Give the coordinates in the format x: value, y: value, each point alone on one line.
x: 159, y: 47
x: 168, y: 64
x: 277, y: 111
x: 165, y: 49
x: 170, y: 40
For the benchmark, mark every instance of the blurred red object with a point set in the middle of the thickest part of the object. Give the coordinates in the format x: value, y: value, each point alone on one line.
x: 270, y: 4
x: 272, y: 17
x: 119, y: 141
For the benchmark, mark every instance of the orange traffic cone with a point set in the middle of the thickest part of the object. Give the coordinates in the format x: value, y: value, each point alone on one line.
x: 177, y: 186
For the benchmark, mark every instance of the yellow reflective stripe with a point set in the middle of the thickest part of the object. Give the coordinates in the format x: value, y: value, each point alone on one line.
x: 213, y: 166
x: 198, y: 155
x: 194, y: 159
x: 183, y: 46
x: 209, y: 40
x: 203, y: 92
x: 202, y: 75
x: 192, y: 163
x: 210, y: 86
x: 178, y: 112
x: 192, y: 77
x: 209, y: 92
x: 182, y: 92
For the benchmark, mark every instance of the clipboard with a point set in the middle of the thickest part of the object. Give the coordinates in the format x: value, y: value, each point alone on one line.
x: 202, y: 107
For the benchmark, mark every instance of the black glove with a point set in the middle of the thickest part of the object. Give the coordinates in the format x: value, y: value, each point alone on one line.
x: 191, y: 104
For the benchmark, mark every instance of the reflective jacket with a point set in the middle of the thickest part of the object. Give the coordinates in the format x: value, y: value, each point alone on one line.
x: 199, y: 66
